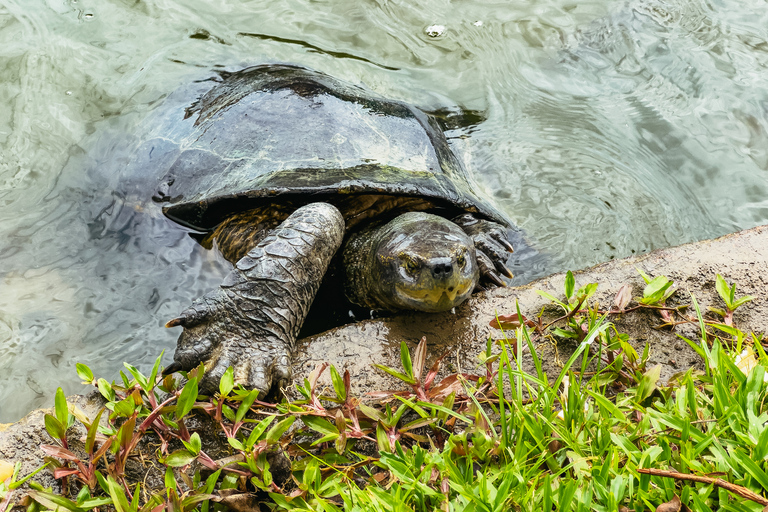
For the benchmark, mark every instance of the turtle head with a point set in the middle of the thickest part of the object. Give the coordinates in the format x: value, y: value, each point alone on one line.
x: 419, y: 261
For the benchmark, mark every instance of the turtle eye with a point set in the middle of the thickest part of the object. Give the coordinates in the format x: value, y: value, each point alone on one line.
x: 461, y: 260
x: 410, y: 264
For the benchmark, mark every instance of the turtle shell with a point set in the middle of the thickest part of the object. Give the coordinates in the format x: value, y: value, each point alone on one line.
x: 273, y: 131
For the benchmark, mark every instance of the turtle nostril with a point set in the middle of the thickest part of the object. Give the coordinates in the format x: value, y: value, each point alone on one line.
x: 442, y: 270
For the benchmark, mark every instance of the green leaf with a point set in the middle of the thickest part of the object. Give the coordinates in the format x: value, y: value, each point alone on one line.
x: 83, y: 495
x: 258, y: 429
x: 645, y: 276
x: 61, y: 408
x: 565, y: 334
x: 398, y: 467
x: 405, y: 378
x: 84, y: 373
x: 186, y: 399
x: 607, y: 406
x: 725, y: 291
x: 647, y: 384
x: 338, y: 384
x: 125, y: 407
x: 105, y: 388
x: 194, y: 444
x: 551, y: 298
x: 228, y: 412
x: 320, y: 425
x: 752, y: 468
x: 179, y: 458
x: 245, y: 406
x: 234, y: 443
x: 155, y: 369
x: 189, y: 502
x: 54, y: 501
x: 54, y: 427
x: 727, y: 329
x: 169, y: 479
x: 279, y: 429
x: 570, y: 284
x: 227, y: 382
x: 405, y: 360
x: 655, y: 290
x: 136, y: 496
x: 210, y: 482
x: 119, y: 500
x: 442, y: 408
x: 92, y: 503
x: 718, y: 311
x: 102, y: 481
x: 586, y: 291
x: 372, y: 413
x: 140, y: 378
x: 382, y: 440
x: 741, y: 301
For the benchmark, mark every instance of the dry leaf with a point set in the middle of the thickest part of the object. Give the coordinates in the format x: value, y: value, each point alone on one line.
x: 623, y: 296
x: 747, y: 361
x: 237, y: 501
x: 672, y: 505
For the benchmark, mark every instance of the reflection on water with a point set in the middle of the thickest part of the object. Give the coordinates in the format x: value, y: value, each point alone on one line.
x: 608, y: 128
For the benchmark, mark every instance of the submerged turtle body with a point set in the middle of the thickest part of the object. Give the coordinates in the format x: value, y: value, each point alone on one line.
x: 282, y: 166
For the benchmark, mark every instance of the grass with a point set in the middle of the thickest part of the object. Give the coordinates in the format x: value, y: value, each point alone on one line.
x: 604, y: 434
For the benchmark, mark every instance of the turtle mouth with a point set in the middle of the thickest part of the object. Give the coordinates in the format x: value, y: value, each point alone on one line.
x: 436, y: 299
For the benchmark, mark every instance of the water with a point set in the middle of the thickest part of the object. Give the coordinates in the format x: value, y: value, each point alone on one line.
x: 606, y: 129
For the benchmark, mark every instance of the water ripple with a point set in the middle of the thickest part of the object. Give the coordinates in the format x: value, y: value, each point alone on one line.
x: 604, y: 128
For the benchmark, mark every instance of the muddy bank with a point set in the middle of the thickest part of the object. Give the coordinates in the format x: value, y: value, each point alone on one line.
x: 741, y: 258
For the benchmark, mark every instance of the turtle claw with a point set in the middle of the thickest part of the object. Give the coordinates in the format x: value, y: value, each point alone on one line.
x: 174, y: 323
x: 491, y: 244
x: 487, y: 269
x: 504, y: 270
x: 495, y: 279
x: 222, y: 340
x: 251, y: 322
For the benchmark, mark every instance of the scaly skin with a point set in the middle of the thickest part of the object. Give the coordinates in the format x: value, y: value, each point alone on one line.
x: 252, y: 320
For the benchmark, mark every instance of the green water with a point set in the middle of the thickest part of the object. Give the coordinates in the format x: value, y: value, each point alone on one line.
x: 606, y: 129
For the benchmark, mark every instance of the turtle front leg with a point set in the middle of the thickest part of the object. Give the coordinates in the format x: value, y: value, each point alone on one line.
x: 491, y: 245
x: 251, y: 322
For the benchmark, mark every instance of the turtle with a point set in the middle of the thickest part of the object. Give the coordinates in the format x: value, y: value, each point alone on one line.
x: 307, y: 182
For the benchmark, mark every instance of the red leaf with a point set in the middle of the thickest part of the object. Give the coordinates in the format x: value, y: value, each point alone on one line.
x: 510, y: 322
x: 433, y: 371
x: 62, y: 472
x: 58, y: 451
x: 448, y: 385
